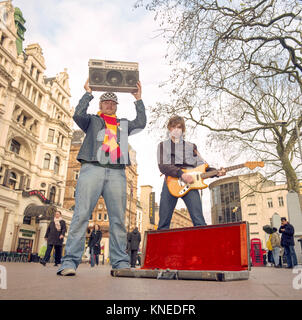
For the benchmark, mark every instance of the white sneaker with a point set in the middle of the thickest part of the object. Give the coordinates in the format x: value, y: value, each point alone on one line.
x: 67, y: 272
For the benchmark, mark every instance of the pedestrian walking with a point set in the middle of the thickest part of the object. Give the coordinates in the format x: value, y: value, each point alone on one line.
x: 103, y: 156
x: 281, y: 256
x: 54, y: 236
x: 128, y: 250
x: 94, y: 245
x: 288, y: 243
x: 269, y: 247
x: 139, y: 259
x: 276, y: 244
x: 134, y: 241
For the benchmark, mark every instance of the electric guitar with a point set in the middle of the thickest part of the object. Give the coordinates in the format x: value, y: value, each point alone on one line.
x: 178, y: 188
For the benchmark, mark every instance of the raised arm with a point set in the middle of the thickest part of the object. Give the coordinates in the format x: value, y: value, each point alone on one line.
x: 140, y: 121
x: 81, y: 118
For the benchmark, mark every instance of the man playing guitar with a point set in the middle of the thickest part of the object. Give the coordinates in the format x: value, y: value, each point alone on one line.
x: 174, y: 156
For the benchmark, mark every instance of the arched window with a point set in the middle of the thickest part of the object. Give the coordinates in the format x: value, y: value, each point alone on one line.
x: 56, y: 165
x: 27, y: 220
x: 15, y: 146
x: 12, y: 180
x: 52, y: 194
x: 46, y: 161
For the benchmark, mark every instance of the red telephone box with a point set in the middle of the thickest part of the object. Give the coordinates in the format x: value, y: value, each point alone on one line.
x: 256, y: 252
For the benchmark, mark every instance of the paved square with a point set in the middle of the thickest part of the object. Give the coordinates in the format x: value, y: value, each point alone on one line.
x: 34, y: 282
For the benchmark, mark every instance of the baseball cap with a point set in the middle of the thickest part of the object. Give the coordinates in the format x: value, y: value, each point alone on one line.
x: 109, y: 96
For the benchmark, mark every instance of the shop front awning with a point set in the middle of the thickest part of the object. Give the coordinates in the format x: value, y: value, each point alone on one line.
x: 40, y: 212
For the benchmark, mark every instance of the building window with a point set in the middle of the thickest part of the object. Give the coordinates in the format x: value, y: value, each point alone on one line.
x: 270, y: 202
x: 281, y: 202
x: 51, y: 134
x: 12, y: 180
x: 56, y: 165
x: 46, y: 161
x: 32, y: 69
x: 27, y: 220
x: 74, y: 192
x: 105, y: 217
x: 15, y: 146
x: 2, y: 39
x: 25, y: 245
x: 39, y: 100
x: 24, y: 121
x: 100, y: 216
x: 76, y: 174
x: 252, y: 214
x: 52, y: 194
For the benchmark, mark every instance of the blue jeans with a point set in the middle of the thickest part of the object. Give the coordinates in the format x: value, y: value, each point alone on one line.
x: 94, y: 258
x: 276, y: 254
x: 95, y: 181
x: 168, y: 202
x: 291, y: 257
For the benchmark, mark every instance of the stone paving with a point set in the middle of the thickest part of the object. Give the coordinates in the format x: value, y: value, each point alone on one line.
x: 32, y: 281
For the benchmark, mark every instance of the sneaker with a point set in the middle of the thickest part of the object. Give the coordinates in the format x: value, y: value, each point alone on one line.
x: 114, y: 272
x: 43, y: 262
x: 55, y: 265
x: 67, y: 272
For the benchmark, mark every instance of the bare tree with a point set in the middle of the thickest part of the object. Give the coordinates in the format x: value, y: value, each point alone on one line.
x: 237, y: 71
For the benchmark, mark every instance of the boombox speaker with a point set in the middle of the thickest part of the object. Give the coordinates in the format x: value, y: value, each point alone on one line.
x: 116, y: 76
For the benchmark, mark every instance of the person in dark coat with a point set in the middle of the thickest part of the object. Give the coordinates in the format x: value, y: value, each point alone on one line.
x: 94, y: 245
x: 54, y: 236
x: 288, y: 243
x: 134, y: 241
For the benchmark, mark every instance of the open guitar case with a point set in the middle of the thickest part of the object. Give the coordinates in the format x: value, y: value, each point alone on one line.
x: 215, y: 252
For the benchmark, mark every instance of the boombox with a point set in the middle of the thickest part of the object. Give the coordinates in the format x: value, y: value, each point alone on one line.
x: 117, y: 76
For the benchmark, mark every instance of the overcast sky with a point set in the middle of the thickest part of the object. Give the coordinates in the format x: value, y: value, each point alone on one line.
x: 71, y: 32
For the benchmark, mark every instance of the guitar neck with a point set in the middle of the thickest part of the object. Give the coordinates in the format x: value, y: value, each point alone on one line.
x: 209, y: 174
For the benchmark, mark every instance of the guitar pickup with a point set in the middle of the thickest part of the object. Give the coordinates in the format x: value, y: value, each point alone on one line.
x: 184, y: 189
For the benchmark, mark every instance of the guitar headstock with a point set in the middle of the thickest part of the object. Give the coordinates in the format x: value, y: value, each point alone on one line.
x: 254, y: 164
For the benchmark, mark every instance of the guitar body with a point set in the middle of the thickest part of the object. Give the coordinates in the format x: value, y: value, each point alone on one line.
x: 178, y: 188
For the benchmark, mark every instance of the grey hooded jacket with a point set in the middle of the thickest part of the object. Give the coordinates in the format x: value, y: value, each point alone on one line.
x: 94, y: 127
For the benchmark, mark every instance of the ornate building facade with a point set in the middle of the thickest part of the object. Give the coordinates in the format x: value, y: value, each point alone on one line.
x: 35, y: 126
